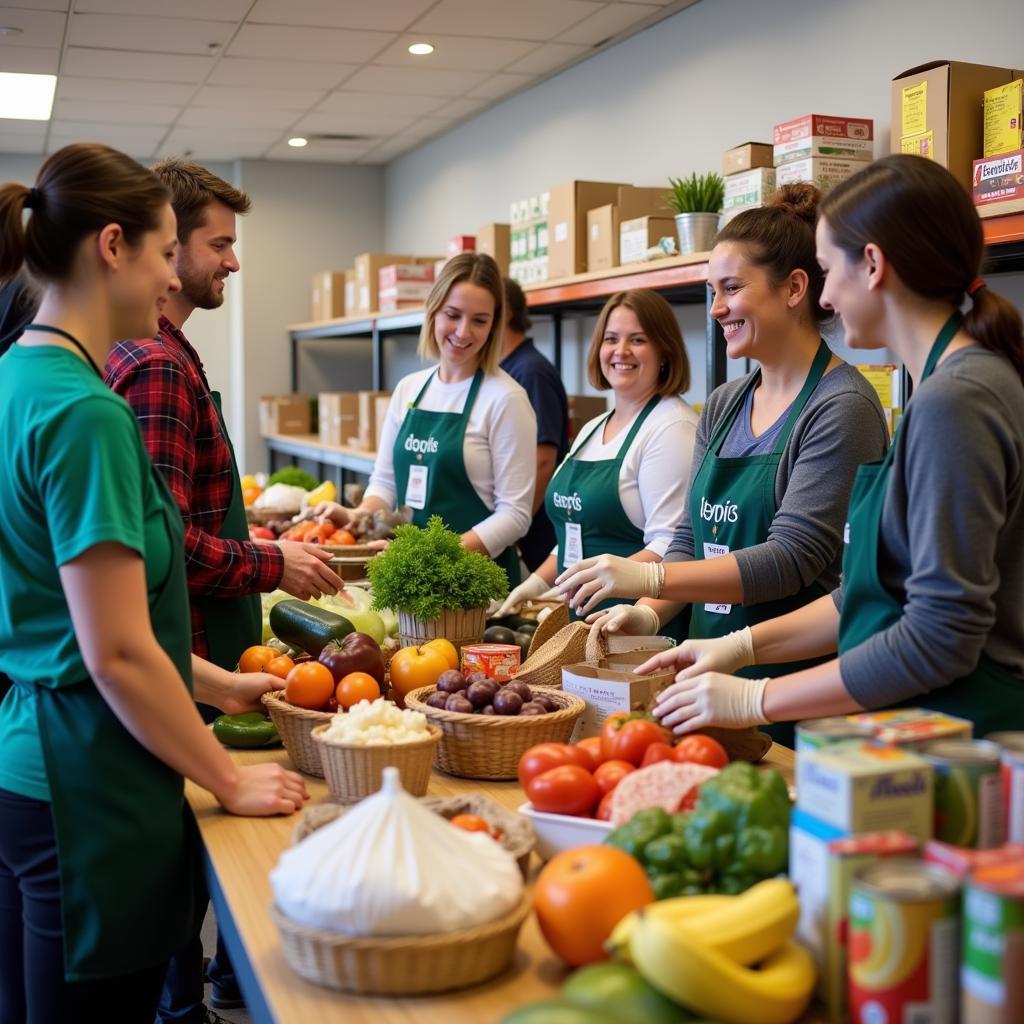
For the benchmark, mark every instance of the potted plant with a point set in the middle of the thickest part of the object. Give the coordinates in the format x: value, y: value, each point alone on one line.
x: 697, y: 202
x: 437, y: 586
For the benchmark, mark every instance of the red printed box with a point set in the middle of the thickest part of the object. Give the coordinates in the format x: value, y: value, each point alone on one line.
x: 392, y: 275
x: 998, y: 179
x: 461, y: 243
x: 821, y: 135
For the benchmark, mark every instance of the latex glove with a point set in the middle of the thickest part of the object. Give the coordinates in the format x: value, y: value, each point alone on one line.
x: 726, y: 654
x: 634, y: 619
x: 533, y: 586
x: 711, y: 699
x: 586, y: 584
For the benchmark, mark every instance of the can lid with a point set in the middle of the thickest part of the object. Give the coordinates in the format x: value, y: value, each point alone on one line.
x: 962, y: 751
x: 909, y: 881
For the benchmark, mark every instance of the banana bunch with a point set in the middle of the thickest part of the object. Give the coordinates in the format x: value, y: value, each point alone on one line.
x: 700, y: 952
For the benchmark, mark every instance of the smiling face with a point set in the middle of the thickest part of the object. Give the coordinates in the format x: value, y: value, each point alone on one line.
x: 629, y: 360
x: 206, y: 259
x: 848, y: 292
x: 462, y: 326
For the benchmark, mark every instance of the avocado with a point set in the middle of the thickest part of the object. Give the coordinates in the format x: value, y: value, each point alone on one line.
x: 499, y: 635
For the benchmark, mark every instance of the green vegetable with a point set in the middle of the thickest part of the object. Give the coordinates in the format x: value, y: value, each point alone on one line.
x: 666, y: 853
x: 621, y: 991
x: 306, y: 626
x: 294, y: 477
x: 499, y: 635
x: 424, y: 572
x: 644, y: 827
x: 359, y: 612
x: 560, y: 1011
x: 249, y: 730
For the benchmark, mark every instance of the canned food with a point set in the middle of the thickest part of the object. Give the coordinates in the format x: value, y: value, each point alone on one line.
x: 816, y: 733
x: 904, y: 944
x: 912, y: 727
x: 968, y: 792
x: 1012, y: 744
x: 497, y: 661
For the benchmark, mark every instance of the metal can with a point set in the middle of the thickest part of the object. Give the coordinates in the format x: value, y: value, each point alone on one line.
x: 968, y: 792
x: 816, y: 733
x: 1012, y: 758
x: 498, y: 661
x: 992, y: 969
x: 904, y: 944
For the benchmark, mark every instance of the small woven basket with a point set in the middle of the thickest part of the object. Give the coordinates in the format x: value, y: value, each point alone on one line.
x: 353, y: 770
x: 294, y: 726
x: 544, y: 665
x: 460, y: 626
x: 489, y: 746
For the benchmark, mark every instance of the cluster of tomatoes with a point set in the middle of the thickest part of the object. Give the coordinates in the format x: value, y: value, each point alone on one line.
x: 312, y: 532
x: 578, y: 779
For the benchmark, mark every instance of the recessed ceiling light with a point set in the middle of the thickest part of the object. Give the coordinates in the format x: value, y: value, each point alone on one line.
x: 298, y: 142
x: 11, y: 30
x: 421, y: 49
x: 26, y: 97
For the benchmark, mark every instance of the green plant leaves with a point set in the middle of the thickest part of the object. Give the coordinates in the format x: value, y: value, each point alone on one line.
x: 703, y: 193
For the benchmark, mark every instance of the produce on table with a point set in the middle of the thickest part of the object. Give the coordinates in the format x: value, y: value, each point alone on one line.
x: 324, y: 492
x: 568, y: 789
x: 280, y: 497
x: 256, y: 659
x: 377, y: 723
x: 353, y: 603
x: 668, y: 785
x: 474, y: 823
x: 354, y: 688
x: 380, y: 525
x: 480, y: 695
x: 307, y: 626
x: 446, y: 649
x: 609, y: 774
x: 280, y: 666
x: 309, y: 685
x: 626, y: 735
x: 261, y: 533
x: 413, y: 667
x: 293, y: 477
x: 544, y: 756
x: 698, y: 749
x: 354, y: 652
x: 246, y: 731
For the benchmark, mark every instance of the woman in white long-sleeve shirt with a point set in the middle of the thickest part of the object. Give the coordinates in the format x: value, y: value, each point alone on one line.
x: 459, y: 440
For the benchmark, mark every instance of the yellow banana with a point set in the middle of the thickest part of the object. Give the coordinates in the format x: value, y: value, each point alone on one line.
x: 680, y: 907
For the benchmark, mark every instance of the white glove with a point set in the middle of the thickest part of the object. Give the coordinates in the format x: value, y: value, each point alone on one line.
x: 711, y: 699
x: 726, y: 654
x: 586, y: 584
x: 533, y: 586
x: 634, y: 619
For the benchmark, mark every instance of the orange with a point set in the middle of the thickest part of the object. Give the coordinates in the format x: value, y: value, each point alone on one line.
x: 256, y: 659
x: 309, y: 685
x: 446, y: 649
x: 250, y: 494
x: 470, y: 823
x: 354, y: 687
x: 280, y: 666
x: 342, y: 537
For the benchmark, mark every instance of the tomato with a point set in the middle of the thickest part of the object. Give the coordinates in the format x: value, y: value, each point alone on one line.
x: 592, y: 747
x: 545, y: 756
x: 309, y: 685
x: 604, y: 808
x: 280, y: 666
x: 625, y: 736
x: 698, y: 749
x: 611, y: 773
x: 446, y: 649
x: 342, y: 538
x: 261, y: 533
x: 470, y: 823
x: 582, y: 894
x: 323, y: 533
x: 354, y: 687
x: 413, y: 667
x: 568, y: 789
x: 656, y: 752
x: 256, y: 659
x: 299, y: 532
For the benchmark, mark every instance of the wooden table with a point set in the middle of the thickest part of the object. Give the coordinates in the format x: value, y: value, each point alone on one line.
x: 240, y: 853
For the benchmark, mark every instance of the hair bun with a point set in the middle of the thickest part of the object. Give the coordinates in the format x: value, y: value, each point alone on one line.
x: 801, y: 199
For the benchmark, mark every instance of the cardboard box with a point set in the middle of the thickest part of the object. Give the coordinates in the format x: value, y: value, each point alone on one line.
x: 609, y: 686
x: 825, y: 172
x: 460, y: 243
x: 405, y: 295
x: 398, y: 273
x: 566, y: 224
x: 495, y: 241
x: 638, y: 235
x: 1002, y: 119
x: 749, y: 189
x: 339, y: 416
x: 747, y: 157
x: 998, y: 179
x: 368, y: 418
x: 821, y: 135
x: 328, y: 295
x: 284, y: 414
x: 938, y: 112
x: 380, y: 413
x: 604, y: 222
x: 368, y: 266
x: 351, y: 292
x: 583, y: 408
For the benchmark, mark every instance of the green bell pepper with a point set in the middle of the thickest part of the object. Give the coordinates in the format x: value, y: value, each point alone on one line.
x: 247, y: 731
x: 644, y: 827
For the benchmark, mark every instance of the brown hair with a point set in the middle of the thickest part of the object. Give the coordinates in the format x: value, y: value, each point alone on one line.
x: 780, y: 239
x: 479, y: 269
x: 193, y: 189
x: 662, y: 329
x: 516, y: 316
x: 921, y: 217
x: 79, y: 190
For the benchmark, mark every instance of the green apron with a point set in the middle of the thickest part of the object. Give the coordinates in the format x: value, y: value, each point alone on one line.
x: 127, y: 843
x: 990, y: 696
x: 430, y: 471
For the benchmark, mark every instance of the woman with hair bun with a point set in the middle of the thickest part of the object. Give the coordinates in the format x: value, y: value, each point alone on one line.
x: 929, y: 611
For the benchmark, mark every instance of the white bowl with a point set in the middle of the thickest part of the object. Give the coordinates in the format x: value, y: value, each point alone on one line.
x: 558, y: 832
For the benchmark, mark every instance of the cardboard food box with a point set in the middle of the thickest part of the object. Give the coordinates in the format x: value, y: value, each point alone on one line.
x: 368, y: 418
x: 638, y: 235
x: 404, y: 286
x: 368, y: 266
x: 339, y: 416
x: 284, y: 414
x: 749, y: 189
x: 398, y: 273
x: 583, y: 408
x: 567, y: 223
x: 460, y: 243
x: 999, y: 179
x: 380, y: 414
x: 822, y: 135
x: 351, y: 291
x: 938, y: 112
x: 825, y: 172
x: 494, y: 240
x: 604, y: 222
x: 747, y: 157
x: 328, y: 295
x: 1002, y: 120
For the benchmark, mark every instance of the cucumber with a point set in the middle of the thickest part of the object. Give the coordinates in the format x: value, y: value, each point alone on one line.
x: 306, y: 626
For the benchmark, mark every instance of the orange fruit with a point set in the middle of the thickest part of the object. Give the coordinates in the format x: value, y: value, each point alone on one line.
x: 256, y: 659
x: 250, y: 494
x: 446, y: 649
x: 280, y: 666
x: 342, y: 537
x: 309, y: 685
x: 354, y: 687
x: 470, y: 823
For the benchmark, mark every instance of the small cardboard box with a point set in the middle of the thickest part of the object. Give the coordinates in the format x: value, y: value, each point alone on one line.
x: 328, y: 295
x: 567, y: 223
x: 747, y: 157
x: 1003, y: 108
x: 604, y: 222
x: 638, y: 235
x: 339, y: 416
x: 380, y: 414
x: 583, y: 408
x: 395, y: 274
x: 351, y: 291
x: 749, y: 189
x: 825, y: 172
x: 460, y: 243
x: 368, y: 266
x: 998, y: 179
x: 368, y: 418
x: 284, y: 414
x: 495, y: 241
x: 822, y: 135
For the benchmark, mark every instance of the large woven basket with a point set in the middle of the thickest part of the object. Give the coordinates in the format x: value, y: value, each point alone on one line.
x: 460, y: 626
x: 294, y: 726
x: 402, y: 966
x: 489, y: 746
x: 353, y: 771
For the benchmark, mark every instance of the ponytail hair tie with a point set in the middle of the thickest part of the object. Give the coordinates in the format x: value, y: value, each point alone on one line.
x: 975, y: 286
x: 34, y: 199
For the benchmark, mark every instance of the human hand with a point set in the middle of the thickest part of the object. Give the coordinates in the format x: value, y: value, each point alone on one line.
x: 331, y: 511
x: 634, y: 619
x: 306, y: 573
x: 264, y: 789
x: 711, y: 699
x: 245, y: 689
x: 726, y: 654
x: 534, y: 586
x: 586, y: 584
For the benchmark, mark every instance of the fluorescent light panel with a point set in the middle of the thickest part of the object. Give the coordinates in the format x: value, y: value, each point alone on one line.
x: 26, y: 97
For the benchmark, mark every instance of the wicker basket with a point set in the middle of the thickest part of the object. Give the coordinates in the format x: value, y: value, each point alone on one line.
x: 543, y: 667
x: 460, y: 626
x: 489, y: 746
x: 402, y: 966
x: 353, y: 771
x: 294, y: 726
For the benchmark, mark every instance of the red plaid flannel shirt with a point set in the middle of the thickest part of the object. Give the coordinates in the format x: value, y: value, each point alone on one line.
x: 163, y: 380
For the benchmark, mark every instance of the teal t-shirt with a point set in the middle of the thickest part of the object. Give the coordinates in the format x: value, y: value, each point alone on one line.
x: 76, y: 475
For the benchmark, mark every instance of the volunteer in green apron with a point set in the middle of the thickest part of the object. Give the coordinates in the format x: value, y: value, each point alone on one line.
x: 622, y: 488
x: 928, y: 614
x: 98, y: 854
x: 459, y: 439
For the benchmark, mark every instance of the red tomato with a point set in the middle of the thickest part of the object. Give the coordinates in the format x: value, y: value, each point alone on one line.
x: 604, y: 808
x: 545, y: 756
x: 568, y: 789
x: 610, y: 774
x: 656, y: 752
x: 591, y: 746
x: 697, y: 749
x: 626, y: 736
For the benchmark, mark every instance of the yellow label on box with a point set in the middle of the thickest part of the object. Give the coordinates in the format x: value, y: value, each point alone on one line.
x: 880, y: 378
x: 1002, y: 119
x: 919, y: 145
x: 915, y: 109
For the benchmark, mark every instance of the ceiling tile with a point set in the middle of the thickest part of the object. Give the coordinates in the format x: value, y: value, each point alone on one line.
x: 12, y: 129
x: 70, y: 87
x: 268, y: 99
x: 203, y: 10
x: 141, y: 151
x: 279, y: 74
x: 210, y: 149
x: 501, y: 85
x: 460, y: 108
x: 24, y: 144
x: 388, y: 150
x: 376, y: 125
x: 610, y: 21
x: 427, y: 126
x: 162, y: 35
x: 240, y: 117
x: 41, y: 5
x: 38, y: 28
x: 346, y: 102
x: 415, y: 81
x: 457, y: 52
x: 302, y: 44
x: 80, y: 131
x: 97, y: 112
x: 394, y: 15
x: 549, y: 57
x: 321, y: 152
x: 242, y: 134
x: 156, y: 67
x: 30, y: 60
x: 524, y: 19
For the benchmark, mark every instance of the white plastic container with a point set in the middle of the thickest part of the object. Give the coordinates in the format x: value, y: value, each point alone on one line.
x: 558, y: 832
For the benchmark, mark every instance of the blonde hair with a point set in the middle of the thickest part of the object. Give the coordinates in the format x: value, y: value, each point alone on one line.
x: 479, y: 269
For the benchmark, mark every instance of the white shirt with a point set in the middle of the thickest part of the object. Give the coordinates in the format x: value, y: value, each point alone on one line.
x: 499, y: 449
x: 654, y: 478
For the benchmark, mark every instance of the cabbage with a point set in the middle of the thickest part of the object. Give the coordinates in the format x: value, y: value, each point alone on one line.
x: 267, y: 601
x: 360, y: 614
x: 390, y: 620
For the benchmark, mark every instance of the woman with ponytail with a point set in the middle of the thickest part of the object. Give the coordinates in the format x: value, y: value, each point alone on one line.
x: 929, y: 612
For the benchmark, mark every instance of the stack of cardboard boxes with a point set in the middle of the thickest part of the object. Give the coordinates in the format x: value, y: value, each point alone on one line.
x: 821, y: 149
x: 620, y: 229
x: 403, y: 286
x: 749, y: 172
x: 528, y: 256
x: 353, y: 419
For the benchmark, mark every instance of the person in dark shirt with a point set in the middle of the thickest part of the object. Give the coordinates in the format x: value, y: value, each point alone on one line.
x: 540, y: 380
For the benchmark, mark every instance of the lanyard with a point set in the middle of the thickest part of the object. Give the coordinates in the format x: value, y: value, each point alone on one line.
x: 70, y: 337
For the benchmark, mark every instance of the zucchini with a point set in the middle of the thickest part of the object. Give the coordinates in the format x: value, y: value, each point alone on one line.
x: 306, y: 626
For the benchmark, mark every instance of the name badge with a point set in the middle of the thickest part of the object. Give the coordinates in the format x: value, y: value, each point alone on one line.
x: 846, y: 534
x: 573, y: 545
x: 416, y: 488
x: 716, y: 551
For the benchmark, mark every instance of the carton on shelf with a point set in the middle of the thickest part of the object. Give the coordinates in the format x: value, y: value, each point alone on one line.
x: 284, y: 414
x: 583, y: 408
x: 999, y: 179
x: 821, y: 135
x: 380, y: 413
x: 368, y: 266
x: 328, y: 295
x: 460, y: 243
x: 567, y: 223
x: 749, y: 189
x: 339, y: 416
x: 604, y: 222
x: 1002, y: 120
x: 351, y: 291
x: 747, y: 157
x: 368, y: 418
x: 494, y: 240
x: 395, y: 274
x: 638, y: 235
x: 825, y: 172
x: 938, y: 112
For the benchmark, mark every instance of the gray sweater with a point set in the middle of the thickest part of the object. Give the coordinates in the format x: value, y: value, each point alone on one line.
x: 952, y: 543
x: 841, y: 426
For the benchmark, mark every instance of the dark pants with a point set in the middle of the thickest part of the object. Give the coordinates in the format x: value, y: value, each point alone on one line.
x: 32, y: 985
